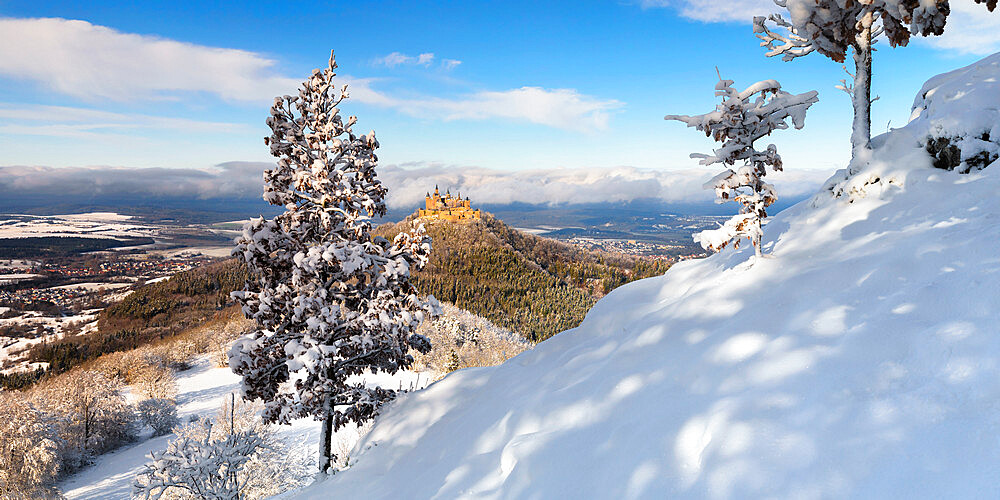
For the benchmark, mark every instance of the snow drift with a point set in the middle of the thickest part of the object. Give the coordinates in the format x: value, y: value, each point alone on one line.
x: 860, y: 360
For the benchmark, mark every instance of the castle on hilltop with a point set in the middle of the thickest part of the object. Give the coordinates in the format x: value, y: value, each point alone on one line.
x: 448, y: 207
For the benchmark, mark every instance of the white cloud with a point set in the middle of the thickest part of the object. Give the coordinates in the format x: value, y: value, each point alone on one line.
x: 65, y: 121
x: 971, y: 29
x: 407, y: 184
x: 450, y: 64
x: 560, y: 108
x: 714, y: 11
x: 234, y: 179
x: 398, y: 59
x: 91, y: 62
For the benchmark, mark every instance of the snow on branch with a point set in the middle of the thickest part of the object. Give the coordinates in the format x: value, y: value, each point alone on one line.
x: 740, y: 120
x: 788, y: 45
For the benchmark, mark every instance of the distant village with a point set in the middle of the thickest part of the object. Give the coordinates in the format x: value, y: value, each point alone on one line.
x: 636, y: 248
x: 58, y: 281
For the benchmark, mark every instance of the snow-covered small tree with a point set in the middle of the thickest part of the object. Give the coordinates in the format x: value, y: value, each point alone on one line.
x: 29, y: 448
x: 330, y: 300
x: 832, y: 27
x: 740, y: 120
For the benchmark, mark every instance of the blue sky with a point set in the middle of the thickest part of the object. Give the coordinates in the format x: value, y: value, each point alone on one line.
x: 509, y: 86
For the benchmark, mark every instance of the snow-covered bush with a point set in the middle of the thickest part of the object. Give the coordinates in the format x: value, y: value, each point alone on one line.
x: 276, y: 466
x: 205, y: 467
x: 741, y: 119
x: 159, y: 414
x: 832, y: 27
x: 330, y: 300
x: 29, y: 448
x: 206, y: 455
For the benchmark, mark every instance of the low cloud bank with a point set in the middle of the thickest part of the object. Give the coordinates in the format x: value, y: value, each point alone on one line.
x: 407, y: 183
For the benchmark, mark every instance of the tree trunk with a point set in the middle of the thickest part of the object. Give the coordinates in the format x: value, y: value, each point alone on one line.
x: 325, y: 438
x: 862, y: 96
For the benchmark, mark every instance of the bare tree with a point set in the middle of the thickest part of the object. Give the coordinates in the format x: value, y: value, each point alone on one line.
x: 93, y: 414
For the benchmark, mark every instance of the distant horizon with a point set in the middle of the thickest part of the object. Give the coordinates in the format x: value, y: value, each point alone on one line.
x: 236, y: 187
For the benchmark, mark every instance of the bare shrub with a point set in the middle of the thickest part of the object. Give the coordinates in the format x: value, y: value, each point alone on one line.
x: 154, y: 380
x: 222, y: 338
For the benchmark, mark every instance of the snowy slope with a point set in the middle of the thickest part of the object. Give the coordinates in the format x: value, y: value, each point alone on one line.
x: 861, y: 360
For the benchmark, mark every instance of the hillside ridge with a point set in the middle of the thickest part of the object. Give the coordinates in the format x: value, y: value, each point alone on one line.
x: 534, y: 286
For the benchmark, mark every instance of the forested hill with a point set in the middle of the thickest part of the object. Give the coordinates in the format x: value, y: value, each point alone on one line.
x: 534, y: 286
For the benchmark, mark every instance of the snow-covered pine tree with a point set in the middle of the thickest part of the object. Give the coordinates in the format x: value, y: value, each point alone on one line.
x: 741, y: 119
x: 831, y: 27
x: 330, y: 301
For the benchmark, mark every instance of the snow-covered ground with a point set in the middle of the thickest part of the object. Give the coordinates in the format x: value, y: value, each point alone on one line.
x: 201, y: 392
x: 89, y: 225
x: 184, y: 252
x: 859, y: 360
x: 15, y: 277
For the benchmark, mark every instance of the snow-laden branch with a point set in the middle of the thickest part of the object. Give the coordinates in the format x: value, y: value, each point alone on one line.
x: 788, y: 45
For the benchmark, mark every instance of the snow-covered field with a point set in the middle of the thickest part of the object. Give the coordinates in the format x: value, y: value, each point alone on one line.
x: 89, y: 225
x: 860, y: 359
x: 221, y: 251
x: 15, y: 277
x: 201, y: 392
